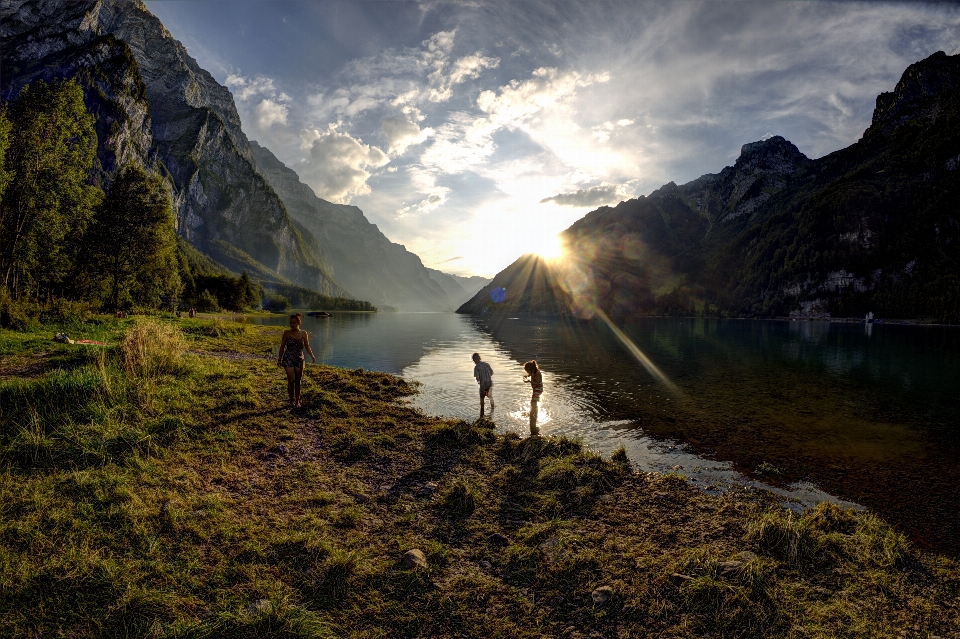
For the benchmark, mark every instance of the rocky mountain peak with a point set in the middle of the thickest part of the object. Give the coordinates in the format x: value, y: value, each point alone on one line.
x: 772, y: 155
x: 918, y: 94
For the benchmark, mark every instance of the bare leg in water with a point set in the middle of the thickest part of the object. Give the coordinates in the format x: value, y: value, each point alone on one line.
x: 534, y: 411
x: 483, y: 394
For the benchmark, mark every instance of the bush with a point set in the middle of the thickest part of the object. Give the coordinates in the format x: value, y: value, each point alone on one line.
x: 207, y: 302
x: 16, y: 315
x: 151, y: 348
x: 273, y: 302
x: 62, y: 311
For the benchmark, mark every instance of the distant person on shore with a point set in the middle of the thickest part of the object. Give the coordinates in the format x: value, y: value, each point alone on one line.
x: 484, y: 376
x: 292, y: 345
x: 535, y: 377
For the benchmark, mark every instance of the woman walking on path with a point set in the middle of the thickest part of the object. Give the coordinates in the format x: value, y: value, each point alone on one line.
x: 536, y: 382
x: 292, y: 345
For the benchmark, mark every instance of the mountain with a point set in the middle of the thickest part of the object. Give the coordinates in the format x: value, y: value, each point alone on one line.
x: 156, y: 106
x: 872, y: 227
x: 470, y: 284
x: 458, y: 288
x: 359, y: 256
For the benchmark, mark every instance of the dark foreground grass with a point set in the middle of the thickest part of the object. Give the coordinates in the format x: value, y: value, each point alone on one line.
x: 160, y: 488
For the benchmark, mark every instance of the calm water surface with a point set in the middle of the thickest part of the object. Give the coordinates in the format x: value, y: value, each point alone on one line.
x: 863, y: 414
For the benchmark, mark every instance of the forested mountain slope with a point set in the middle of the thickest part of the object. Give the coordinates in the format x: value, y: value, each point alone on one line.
x: 359, y: 256
x: 873, y: 227
x: 154, y: 105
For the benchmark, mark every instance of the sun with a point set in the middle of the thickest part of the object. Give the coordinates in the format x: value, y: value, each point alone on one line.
x: 549, y: 247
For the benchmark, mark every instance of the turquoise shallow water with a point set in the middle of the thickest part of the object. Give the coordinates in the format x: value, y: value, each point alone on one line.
x: 867, y: 414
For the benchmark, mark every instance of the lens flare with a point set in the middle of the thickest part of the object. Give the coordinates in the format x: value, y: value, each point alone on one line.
x: 639, y: 355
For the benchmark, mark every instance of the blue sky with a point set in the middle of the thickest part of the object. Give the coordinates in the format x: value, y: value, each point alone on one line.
x: 473, y: 132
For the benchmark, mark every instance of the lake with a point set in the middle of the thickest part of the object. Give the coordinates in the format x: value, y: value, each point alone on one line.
x: 854, y: 413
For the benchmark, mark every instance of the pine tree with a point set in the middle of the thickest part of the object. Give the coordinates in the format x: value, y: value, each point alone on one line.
x: 46, y: 203
x: 133, y: 243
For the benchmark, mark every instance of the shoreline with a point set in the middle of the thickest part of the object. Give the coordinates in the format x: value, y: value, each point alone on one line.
x: 270, y: 520
x: 840, y: 320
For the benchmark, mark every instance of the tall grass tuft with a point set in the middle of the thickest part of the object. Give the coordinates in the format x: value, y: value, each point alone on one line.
x: 151, y: 348
x: 461, y: 499
x: 783, y: 535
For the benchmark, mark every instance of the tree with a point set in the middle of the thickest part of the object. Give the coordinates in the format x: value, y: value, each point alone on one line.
x: 5, y: 173
x: 132, y: 240
x: 46, y: 204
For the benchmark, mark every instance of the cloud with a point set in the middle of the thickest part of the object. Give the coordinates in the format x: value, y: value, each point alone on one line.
x: 593, y: 196
x: 244, y: 88
x: 470, y: 66
x: 465, y: 141
x: 601, y: 132
x: 518, y: 102
x: 269, y: 113
x: 452, y: 259
x: 402, y: 133
x: 426, y: 205
x: 338, y: 163
x: 405, y: 78
x: 426, y: 183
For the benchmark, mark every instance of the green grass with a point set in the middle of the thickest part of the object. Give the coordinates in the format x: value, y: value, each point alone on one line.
x: 157, y: 488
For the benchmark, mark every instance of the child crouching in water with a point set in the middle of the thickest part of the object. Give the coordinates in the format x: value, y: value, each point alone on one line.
x: 536, y: 382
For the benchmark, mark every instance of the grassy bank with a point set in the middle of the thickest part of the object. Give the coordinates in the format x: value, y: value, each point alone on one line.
x: 159, y: 487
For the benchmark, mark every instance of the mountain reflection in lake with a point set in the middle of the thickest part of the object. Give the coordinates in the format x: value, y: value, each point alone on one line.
x: 872, y: 416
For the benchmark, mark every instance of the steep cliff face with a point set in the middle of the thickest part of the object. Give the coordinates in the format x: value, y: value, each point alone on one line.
x: 360, y: 257
x: 875, y: 226
x: 167, y: 113
x: 47, y: 47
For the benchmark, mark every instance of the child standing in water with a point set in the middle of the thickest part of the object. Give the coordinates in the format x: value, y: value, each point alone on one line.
x: 484, y: 376
x: 535, y: 377
x: 292, y: 345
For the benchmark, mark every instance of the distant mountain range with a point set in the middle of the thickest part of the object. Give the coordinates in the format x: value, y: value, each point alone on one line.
x: 872, y: 227
x: 235, y: 202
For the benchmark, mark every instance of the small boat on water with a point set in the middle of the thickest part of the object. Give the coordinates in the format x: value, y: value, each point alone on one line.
x: 318, y: 314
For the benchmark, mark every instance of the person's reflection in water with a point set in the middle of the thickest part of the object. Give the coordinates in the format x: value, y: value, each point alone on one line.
x: 536, y: 382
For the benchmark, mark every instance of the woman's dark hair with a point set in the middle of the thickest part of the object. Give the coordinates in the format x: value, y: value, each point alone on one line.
x: 296, y: 316
x: 531, y: 367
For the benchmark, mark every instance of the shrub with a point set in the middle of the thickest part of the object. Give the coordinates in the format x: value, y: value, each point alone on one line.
x: 461, y: 499
x: 62, y: 311
x: 15, y: 314
x: 274, y: 302
x: 151, y: 348
x: 207, y: 302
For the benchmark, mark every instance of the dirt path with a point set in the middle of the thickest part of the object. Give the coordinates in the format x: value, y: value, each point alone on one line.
x: 24, y: 366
